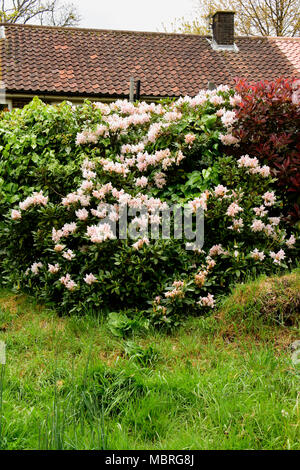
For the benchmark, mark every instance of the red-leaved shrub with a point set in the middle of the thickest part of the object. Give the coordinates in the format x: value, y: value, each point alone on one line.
x: 268, y: 127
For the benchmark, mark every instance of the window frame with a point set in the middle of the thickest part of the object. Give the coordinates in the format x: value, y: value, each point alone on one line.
x: 6, y: 101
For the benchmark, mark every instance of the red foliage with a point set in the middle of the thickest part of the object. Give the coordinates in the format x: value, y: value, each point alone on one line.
x: 269, y: 128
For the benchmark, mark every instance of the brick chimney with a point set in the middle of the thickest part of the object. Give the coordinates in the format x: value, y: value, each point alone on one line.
x: 223, y: 28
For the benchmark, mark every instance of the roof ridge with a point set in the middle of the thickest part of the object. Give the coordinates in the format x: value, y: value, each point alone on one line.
x: 86, y: 30
x: 268, y: 37
x: 163, y: 33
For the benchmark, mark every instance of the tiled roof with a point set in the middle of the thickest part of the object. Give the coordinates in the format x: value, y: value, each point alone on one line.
x: 43, y: 59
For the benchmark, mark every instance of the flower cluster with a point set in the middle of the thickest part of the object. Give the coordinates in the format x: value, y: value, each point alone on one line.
x: 130, y: 157
x: 36, y: 199
x: 68, y: 282
x: 253, y: 167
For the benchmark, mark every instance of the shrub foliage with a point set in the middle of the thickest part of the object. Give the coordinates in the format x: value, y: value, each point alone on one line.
x: 59, y: 244
x: 268, y: 126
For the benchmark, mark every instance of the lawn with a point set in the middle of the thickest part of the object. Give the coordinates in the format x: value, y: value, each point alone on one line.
x: 214, y: 383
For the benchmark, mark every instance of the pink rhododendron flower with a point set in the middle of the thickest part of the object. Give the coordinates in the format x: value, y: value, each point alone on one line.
x: 296, y: 93
x: 207, y: 301
x: 260, y: 211
x: 174, y: 293
x: 16, y: 215
x: 189, y: 138
x: 100, y: 213
x: 154, y: 132
x: 90, y: 279
x: 291, y: 241
x: 88, y: 164
x: 127, y: 148
x: 69, y: 228
x: 101, y: 130
x: 104, y: 108
x: 155, y: 219
x: 69, y: 255
x: 220, y: 88
x: 200, y: 278
x: 113, y: 216
x: 84, y: 200
x: 82, y: 214
x: 142, y: 182
x: 53, y: 269
x: 220, y: 190
x: 58, y: 248
x: 233, y: 209
x: 71, y: 285
x: 199, y: 202
x: 141, y: 222
x: 138, y: 245
x: 91, y: 137
x: 179, y: 157
x: 257, y: 225
x: 269, y: 198
x: 277, y: 257
x: 68, y: 283
x: 216, y: 250
x: 274, y: 220
x: 210, y: 263
x: 160, y: 180
x: 100, y: 233
x: 34, y: 200
x: 257, y: 255
x: 265, y: 171
x: 71, y: 198
x: 252, y: 165
x: 173, y: 116
x: 228, y: 139
x: 220, y: 112
x: 81, y: 138
x: 234, y: 100
x: 88, y: 174
x: 228, y: 118
x: 199, y: 100
x: 216, y: 100
x: 114, y: 167
x: 35, y: 267
x: 87, y: 185
x: 248, y: 162
x: 269, y: 231
x: 178, y: 284
x: 65, y: 231
x: 237, y: 224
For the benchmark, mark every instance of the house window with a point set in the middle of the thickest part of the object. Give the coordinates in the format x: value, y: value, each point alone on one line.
x: 5, y: 105
x: 20, y: 102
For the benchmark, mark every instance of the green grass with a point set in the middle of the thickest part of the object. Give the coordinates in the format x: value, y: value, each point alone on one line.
x: 216, y: 383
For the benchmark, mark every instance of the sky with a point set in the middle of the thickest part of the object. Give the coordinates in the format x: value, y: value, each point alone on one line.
x: 136, y: 15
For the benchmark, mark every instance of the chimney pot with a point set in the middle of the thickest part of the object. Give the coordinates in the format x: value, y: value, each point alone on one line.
x: 223, y: 28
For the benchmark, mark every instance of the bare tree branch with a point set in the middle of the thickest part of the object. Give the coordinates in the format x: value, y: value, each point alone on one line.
x: 253, y: 17
x: 47, y: 12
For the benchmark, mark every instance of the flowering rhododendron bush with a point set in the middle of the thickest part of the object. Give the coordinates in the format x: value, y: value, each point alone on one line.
x: 38, y: 151
x: 268, y: 126
x: 147, y: 157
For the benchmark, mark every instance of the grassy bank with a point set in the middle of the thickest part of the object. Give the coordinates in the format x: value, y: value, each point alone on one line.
x: 223, y: 382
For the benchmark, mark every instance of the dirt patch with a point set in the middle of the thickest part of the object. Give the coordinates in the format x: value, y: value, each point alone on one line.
x: 280, y: 299
x: 276, y: 299
x: 12, y: 303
